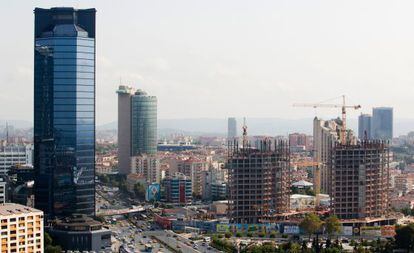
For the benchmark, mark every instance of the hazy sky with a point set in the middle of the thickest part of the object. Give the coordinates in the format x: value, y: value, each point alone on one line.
x: 219, y: 58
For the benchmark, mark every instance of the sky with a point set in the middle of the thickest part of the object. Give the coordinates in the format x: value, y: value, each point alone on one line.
x: 215, y: 58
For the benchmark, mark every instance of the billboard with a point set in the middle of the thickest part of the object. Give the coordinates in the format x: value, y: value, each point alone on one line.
x: 370, y: 231
x: 153, y: 192
x: 289, y: 229
x: 347, y: 230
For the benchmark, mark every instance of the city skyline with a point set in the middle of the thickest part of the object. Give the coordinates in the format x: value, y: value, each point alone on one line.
x: 200, y: 61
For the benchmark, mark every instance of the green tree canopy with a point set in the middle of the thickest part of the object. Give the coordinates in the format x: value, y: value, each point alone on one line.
x: 311, y: 224
x: 332, y: 225
x: 139, y: 190
x: 404, y: 237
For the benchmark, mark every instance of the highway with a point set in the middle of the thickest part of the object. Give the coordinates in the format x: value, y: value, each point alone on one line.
x: 178, y: 242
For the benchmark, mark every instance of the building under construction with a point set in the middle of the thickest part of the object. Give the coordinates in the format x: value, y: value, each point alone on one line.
x: 360, y: 179
x: 259, y: 180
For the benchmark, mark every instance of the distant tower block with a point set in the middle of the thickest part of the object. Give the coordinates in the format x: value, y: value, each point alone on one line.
x: 231, y: 128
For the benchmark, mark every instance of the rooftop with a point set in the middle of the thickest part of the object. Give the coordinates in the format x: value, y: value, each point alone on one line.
x: 12, y: 208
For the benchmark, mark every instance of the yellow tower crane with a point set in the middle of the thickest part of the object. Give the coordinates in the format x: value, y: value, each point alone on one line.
x: 343, y: 107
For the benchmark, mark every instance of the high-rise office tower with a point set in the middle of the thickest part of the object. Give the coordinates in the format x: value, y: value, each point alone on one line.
x: 137, y: 129
x: 364, y: 126
x: 360, y: 179
x: 144, y: 123
x: 259, y: 181
x: 64, y: 111
x: 382, y: 123
x: 124, y: 128
x: 231, y: 128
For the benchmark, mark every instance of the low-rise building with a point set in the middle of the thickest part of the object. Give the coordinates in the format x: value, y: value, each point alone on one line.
x: 81, y: 233
x: 178, y: 189
x: 21, y: 229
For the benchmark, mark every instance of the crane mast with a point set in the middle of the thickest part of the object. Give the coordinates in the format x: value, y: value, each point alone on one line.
x: 343, y: 107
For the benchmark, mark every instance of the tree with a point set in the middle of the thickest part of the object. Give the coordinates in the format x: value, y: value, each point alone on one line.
x: 332, y: 225
x: 48, y: 244
x: 311, y: 224
x: 404, y: 237
x: 139, y: 190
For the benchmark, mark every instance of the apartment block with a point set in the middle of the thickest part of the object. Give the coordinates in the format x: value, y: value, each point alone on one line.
x: 259, y: 181
x: 15, y: 154
x: 360, y: 180
x: 21, y: 229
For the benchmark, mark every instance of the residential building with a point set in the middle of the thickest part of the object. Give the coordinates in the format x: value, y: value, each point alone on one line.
x: 325, y: 134
x: 259, y: 181
x: 3, y: 189
x: 80, y: 233
x: 297, y: 140
x: 64, y: 110
x: 360, y: 180
x: 15, y: 154
x: 148, y: 166
x: 177, y: 189
x: 382, y: 123
x: 231, y: 128
x: 21, y: 229
x: 192, y: 168
x: 364, y: 126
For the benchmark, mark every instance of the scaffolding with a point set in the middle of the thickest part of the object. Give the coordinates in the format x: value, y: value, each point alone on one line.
x: 259, y: 180
x: 360, y: 179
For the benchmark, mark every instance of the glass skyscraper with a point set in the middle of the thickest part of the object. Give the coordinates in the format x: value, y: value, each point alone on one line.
x: 364, y: 126
x: 64, y: 111
x: 143, y: 123
x: 382, y: 123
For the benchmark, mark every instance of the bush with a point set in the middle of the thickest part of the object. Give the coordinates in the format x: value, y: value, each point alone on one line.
x: 272, y: 234
x: 228, y: 235
x: 238, y: 234
x: 261, y: 234
x: 285, y: 236
x: 220, y: 236
x: 249, y: 234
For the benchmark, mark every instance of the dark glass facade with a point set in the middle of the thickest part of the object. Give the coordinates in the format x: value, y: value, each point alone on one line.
x: 143, y: 123
x: 64, y: 111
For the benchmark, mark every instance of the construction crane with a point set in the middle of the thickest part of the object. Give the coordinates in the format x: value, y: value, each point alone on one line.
x: 343, y: 107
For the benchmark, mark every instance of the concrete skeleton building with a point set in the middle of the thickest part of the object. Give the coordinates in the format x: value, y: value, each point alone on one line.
x: 360, y: 180
x: 259, y: 181
x: 21, y: 229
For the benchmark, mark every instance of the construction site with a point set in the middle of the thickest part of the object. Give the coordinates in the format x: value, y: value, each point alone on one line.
x: 259, y: 179
x: 360, y: 179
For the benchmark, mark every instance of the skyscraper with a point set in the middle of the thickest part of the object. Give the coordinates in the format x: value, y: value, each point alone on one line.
x: 364, y: 126
x: 137, y: 130
x: 64, y: 110
x: 231, y: 128
x: 144, y: 123
x: 124, y: 128
x: 382, y: 123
